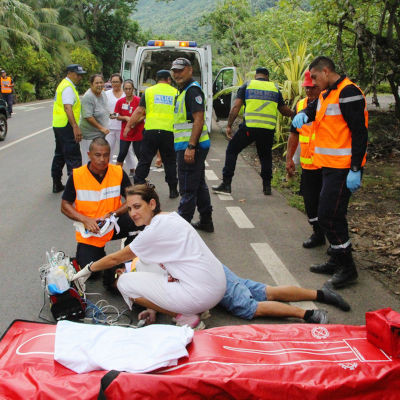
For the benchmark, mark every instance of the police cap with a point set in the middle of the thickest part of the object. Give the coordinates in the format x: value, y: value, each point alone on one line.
x: 181, y: 63
x: 262, y: 70
x: 76, y: 68
x: 163, y: 74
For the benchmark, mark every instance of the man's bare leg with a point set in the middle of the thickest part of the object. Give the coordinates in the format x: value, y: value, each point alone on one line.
x: 280, y: 310
x: 289, y: 293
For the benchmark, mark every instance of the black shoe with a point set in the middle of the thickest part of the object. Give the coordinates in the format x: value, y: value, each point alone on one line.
x: 345, y: 276
x: 173, y: 192
x: 58, y: 187
x: 318, y: 317
x: 223, y: 188
x: 204, y: 226
x: 328, y: 268
x: 314, y: 240
x: 267, y: 188
x: 331, y: 297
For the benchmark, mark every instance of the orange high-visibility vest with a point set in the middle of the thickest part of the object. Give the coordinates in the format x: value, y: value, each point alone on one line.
x: 306, y: 139
x: 5, y: 85
x: 95, y: 199
x: 332, y: 135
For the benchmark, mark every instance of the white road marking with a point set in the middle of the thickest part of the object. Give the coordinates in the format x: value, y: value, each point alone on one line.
x: 26, y: 105
x: 24, y: 138
x: 276, y: 268
x: 210, y: 175
x: 239, y: 217
x: 215, y: 159
x: 206, y: 164
x: 225, y: 196
x: 33, y: 108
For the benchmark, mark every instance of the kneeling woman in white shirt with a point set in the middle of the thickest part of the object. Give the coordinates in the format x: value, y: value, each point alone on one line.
x: 191, y: 279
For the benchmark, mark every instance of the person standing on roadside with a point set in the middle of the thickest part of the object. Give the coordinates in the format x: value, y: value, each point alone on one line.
x: 7, y: 85
x: 95, y: 115
x: 341, y: 136
x: 262, y: 100
x: 311, y: 176
x: 157, y: 104
x: 192, y: 144
x: 66, y: 117
x: 114, y: 125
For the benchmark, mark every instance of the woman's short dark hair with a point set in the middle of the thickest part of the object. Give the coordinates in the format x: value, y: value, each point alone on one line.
x: 147, y: 192
x: 128, y: 81
x: 109, y: 278
x: 94, y: 76
x: 117, y: 75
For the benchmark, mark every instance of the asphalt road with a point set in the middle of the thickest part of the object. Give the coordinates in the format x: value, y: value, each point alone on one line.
x: 257, y: 236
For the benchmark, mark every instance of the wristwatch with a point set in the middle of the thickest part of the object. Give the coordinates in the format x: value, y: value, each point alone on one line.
x: 89, y: 265
x: 191, y: 146
x: 354, y: 168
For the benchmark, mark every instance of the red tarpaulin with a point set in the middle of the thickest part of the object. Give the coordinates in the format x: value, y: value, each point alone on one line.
x: 295, y: 361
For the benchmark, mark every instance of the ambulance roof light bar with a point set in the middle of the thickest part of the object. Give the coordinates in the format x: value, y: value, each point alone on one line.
x: 172, y: 43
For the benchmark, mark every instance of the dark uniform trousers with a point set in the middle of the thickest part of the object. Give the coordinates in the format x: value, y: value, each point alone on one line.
x: 244, y: 136
x: 310, y: 188
x: 9, y: 99
x: 86, y: 253
x: 154, y: 140
x: 332, y: 209
x: 192, y: 186
x: 67, y: 151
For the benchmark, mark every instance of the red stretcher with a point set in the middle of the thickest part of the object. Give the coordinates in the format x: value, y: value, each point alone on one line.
x: 294, y: 361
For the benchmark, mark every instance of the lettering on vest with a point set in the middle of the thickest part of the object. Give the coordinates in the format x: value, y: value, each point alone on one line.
x: 257, y: 94
x: 162, y: 99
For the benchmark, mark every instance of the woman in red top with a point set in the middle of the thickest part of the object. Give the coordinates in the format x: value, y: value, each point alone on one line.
x: 124, y: 109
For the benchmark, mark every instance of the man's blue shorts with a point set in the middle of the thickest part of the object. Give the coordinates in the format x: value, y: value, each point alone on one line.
x: 242, y: 295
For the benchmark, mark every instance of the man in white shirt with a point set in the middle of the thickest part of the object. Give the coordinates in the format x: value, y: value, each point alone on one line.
x: 66, y: 117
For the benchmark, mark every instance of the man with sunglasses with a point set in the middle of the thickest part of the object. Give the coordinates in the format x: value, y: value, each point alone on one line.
x: 192, y: 144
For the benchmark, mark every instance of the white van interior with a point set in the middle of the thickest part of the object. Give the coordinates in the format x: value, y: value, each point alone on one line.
x: 155, y: 59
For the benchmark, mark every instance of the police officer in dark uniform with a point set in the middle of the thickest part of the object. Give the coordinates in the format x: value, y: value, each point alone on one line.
x: 262, y: 100
x: 191, y: 143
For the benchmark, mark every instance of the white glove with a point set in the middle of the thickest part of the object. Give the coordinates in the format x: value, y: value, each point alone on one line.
x: 81, y: 277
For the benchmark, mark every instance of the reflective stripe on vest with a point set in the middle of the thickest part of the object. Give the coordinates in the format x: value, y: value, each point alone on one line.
x: 261, y: 100
x: 5, y: 85
x: 332, y: 134
x: 60, y: 118
x: 183, y: 127
x: 95, y: 199
x: 160, y: 107
x: 306, y: 139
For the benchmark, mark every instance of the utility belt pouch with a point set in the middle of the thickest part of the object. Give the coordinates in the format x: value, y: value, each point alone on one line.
x: 383, y: 330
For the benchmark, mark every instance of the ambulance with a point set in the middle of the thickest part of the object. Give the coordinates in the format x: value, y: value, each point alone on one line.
x: 140, y: 63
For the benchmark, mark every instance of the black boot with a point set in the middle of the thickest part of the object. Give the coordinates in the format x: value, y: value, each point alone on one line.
x: 346, y: 274
x: 267, y: 188
x: 223, y: 188
x: 316, y: 239
x: 173, y: 192
x: 329, y: 267
x: 205, y: 224
x: 57, y: 186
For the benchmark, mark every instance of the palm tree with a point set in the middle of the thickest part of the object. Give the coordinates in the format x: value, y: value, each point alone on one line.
x: 17, y: 24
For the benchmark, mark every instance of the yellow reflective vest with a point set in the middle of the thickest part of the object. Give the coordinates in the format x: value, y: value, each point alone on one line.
x: 183, y: 126
x: 60, y: 118
x: 306, y: 139
x: 160, y: 107
x: 261, y: 103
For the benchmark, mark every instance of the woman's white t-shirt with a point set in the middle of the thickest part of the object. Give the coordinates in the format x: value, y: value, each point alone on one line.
x: 174, y: 244
x: 111, y: 101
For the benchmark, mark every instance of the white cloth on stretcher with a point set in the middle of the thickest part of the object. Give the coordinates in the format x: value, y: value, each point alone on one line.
x: 84, y: 348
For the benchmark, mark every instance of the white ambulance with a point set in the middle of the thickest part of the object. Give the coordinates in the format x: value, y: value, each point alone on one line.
x: 141, y: 64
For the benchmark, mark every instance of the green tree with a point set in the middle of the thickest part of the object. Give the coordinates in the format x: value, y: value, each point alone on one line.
x: 83, y: 56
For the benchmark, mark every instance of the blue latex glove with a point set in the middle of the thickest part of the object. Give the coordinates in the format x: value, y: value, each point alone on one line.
x: 299, y: 120
x: 353, y: 180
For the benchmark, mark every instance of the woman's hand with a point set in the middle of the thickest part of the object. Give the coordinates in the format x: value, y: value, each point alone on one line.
x: 104, y: 130
x: 148, y: 315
